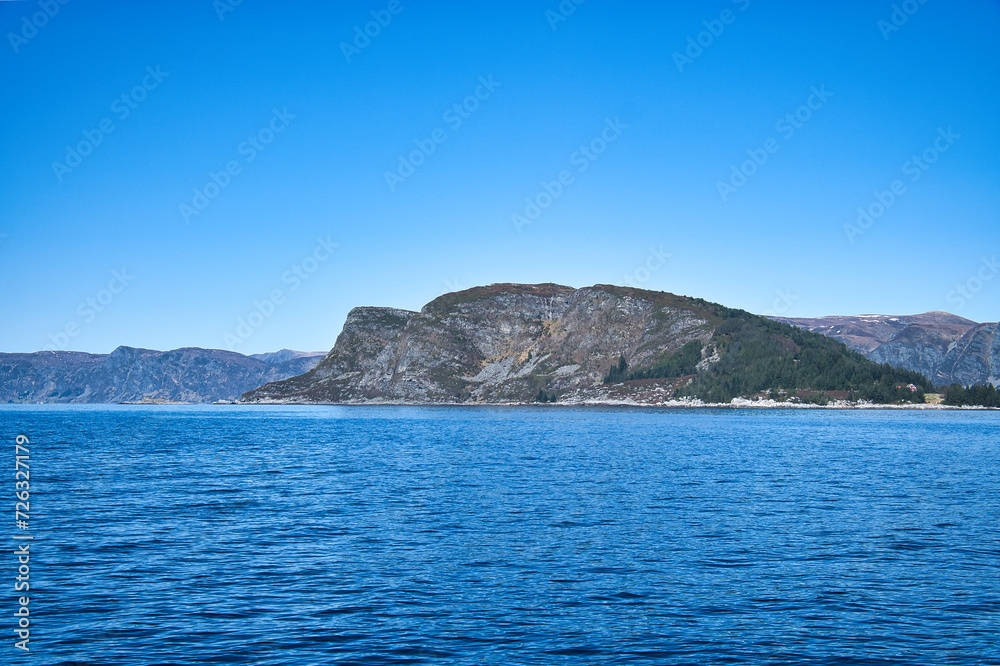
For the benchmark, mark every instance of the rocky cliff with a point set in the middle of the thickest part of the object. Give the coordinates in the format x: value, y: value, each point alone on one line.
x: 509, y: 342
x: 131, y: 375
x: 942, y: 346
x: 974, y: 358
x: 494, y: 344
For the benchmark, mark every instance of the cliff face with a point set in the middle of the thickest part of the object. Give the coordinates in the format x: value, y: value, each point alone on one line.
x: 130, y: 375
x: 974, y: 358
x: 945, y: 347
x: 496, y: 344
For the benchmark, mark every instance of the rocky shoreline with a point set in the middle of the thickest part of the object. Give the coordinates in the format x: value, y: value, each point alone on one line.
x: 738, y: 403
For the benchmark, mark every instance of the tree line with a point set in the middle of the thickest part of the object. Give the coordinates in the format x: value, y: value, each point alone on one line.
x: 983, y: 395
x: 758, y: 355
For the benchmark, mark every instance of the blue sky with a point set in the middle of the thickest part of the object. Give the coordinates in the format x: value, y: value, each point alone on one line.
x: 626, y: 142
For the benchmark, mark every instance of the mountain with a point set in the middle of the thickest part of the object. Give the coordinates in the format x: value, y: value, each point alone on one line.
x: 515, y: 343
x: 945, y: 347
x: 131, y: 375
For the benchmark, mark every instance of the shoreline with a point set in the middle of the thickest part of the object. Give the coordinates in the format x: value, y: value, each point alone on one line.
x: 738, y: 403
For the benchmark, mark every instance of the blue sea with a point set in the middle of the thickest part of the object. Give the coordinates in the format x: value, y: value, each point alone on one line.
x: 405, y: 535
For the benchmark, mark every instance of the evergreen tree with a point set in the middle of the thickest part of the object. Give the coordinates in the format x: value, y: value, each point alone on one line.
x: 617, y: 373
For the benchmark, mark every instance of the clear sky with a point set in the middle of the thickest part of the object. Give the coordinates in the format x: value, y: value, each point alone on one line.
x: 171, y: 168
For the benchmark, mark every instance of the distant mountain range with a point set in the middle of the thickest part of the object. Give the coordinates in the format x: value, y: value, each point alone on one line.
x: 944, y: 347
x: 507, y: 343
x: 128, y: 374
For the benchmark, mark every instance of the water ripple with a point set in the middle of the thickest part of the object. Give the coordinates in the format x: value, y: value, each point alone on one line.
x: 197, y: 535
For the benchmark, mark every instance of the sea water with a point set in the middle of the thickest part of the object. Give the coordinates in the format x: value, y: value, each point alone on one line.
x: 548, y: 535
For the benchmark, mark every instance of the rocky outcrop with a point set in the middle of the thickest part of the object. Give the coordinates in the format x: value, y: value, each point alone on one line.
x: 501, y: 343
x: 132, y: 375
x: 974, y: 358
x: 944, y: 347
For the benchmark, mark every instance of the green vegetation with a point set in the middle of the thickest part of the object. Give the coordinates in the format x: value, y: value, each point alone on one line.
x: 545, y: 396
x: 985, y: 395
x: 760, y: 356
x: 682, y: 362
x: 617, y: 373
